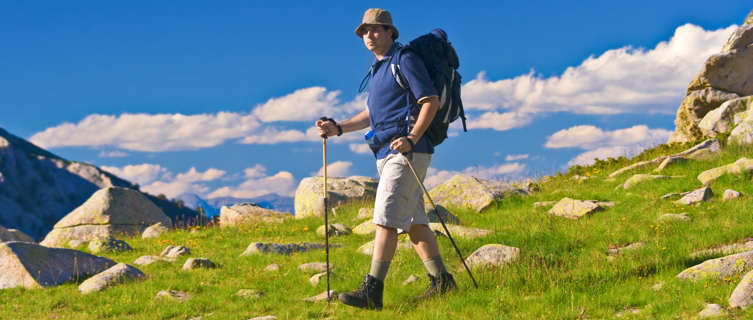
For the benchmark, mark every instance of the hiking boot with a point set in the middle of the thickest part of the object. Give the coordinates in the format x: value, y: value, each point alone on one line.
x: 439, y: 285
x: 369, y: 296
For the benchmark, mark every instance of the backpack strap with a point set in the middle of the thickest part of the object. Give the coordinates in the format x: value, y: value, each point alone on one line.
x: 395, y: 69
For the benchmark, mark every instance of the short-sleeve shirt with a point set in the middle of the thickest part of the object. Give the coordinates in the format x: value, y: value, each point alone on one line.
x: 389, y: 103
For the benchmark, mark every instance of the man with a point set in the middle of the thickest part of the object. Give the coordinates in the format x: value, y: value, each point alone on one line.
x: 398, y: 119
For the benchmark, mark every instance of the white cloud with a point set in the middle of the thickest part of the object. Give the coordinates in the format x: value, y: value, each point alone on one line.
x: 336, y: 169
x: 142, y: 174
x: 435, y: 177
x: 589, y: 137
x: 281, y: 183
x: 360, y: 148
x: 194, y: 176
x: 587, y: 158
x: 624, y: 80
x: 156, y: 180
x: 112, y: 154
x: 256, y: 171
x: 514, y: 157
x: 307, y: 104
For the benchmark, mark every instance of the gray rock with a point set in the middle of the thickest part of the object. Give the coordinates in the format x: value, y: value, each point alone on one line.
x: 573, y: 209
x: 279, y: 248
x: 308, y: 195
x: 154, y: 231
x: 117, y: 274
x: 717, y: 269
x: 699, y: 195
x: 674, y: 195
x: 637, y: 165
x: 411, y: 279
x: 730, y: 194
x: 674, y: 217
x: 272, y: 268
x: 315, y: 279
x: 725, y: 117
x: 702, y: 150
x: 693, y: 108
x: 335, y: 229
x: 365, y: 228
x: 315, y: 267
x: 712, y: 310
x: 322, y: 297
x: 742, y: 297
x: 108, y: 244
x: 249, y: 213
x: 740, y: 166
x: 196, y: 263
x: 249, y: 294
x: 463, y: 191
x: 492, y: 256
x: 7, y: 235
x: 175, y: 295
x: 170, y: 253
x: 31, y: 266
x: 670, y: 161
x: 146, y: 260
x: 109, y: 212
x: 621, y: 249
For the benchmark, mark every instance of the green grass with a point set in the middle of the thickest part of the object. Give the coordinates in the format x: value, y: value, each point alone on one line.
x: 563, y: 271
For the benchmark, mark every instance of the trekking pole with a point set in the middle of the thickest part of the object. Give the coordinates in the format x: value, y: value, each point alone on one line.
x: 325, y: 198
x: 447, y: 231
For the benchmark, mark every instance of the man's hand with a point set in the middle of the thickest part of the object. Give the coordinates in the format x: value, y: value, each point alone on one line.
x: 402, y: 144
x: 326, y: 128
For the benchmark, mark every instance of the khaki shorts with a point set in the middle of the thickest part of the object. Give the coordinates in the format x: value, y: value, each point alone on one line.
x: 399, y: 199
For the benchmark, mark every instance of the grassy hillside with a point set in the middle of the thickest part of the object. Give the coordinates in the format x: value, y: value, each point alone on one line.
x: 563, y: 272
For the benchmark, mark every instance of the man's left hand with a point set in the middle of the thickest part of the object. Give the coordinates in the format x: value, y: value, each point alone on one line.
x: 401, y: 145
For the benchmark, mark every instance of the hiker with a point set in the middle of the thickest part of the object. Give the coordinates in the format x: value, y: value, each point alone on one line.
x: 398, y: 119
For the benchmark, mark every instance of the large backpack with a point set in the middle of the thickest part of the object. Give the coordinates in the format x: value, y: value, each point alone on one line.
x: 442, y: 63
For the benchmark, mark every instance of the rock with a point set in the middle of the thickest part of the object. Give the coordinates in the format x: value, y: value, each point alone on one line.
x: 446, y: 215
x: 702, y: 150
x: 146, y: 260
x: 411, y: 279
x: 249, y: 294
x: 365, y: 213
x: 7, y: 235
x: 744, y: 246
x: 669, y: 161
x: 279, y: 248
x: 315, y: 267
x: 726, y: 117
x: 322, y: 297
x: 573, y: 209
x: 170, y: 253
x: 308, y: 195
x: 730, y: 194
x: 196, y: 263
x: 463, y: 191
x: 749, y: 19
x: 365, y: 228
x: 620, y: 250
x: 492, y: 256
x: 658, y: 286
x: 117, y: 274
x: 740, y: 166
x: 693, y: 108
x: 543, y: 204
x: 674, y: 195
x: 272, y: 268
x: 108, y: 212
x: 249, y: 213
x: 640, y: 178
x: 335, y: 229
x: 717, y: 269
x: 315, y: 279
x: 108, y: 244
x: 154, y: 231
x: 459, y: 231
x: 174, y: 295
x: 368, y: 247
x: 743, y: 133
x: 603, y: 204
x: 712, y: 310
x: 699, y: 195
x: 742, y: 297
x: 673, y: 217
x: 627, y: 312
x: 29, y: 265
x: 638, y: 165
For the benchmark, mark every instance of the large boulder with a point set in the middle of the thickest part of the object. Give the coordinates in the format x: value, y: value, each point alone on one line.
x: 463, y: 191
x: 308, y: 196
x: 120, y: 273
x: 727, y: 116
x: 110, y: 211
x: 30, y: 265
x: 742, y: 297
x: 740, y: 166
x: 7, y: 235
x: 249, y: 213
x: 725, y: 76
x: 720, y: 268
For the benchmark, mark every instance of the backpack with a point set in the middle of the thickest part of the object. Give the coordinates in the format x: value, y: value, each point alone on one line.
x: 441, y: 63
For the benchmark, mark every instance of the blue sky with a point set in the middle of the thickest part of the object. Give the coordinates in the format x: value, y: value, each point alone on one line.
x: 215, y: 98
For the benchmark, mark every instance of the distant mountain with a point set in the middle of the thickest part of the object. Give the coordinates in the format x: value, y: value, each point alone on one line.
x: 38, y: 188
x: 211, y: 207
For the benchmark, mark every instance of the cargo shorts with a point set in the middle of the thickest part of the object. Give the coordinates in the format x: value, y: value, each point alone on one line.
x: 399, y: 199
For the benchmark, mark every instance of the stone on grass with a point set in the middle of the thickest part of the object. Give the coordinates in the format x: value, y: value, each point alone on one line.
x: 308, y: 195
x: 730, y: 194
x: 658, y: 286
x: 618, y: 250
x: 674, y: 217
x: 154, y: 231
x: 699, y: 195
x: 108, y: 244
x: 250, y: 294
x: 640, y: 178
x: 627, y: 312
x: 249, y: 213
x: 464, y: 191
x: 117, y: 274
x: 573, y: 209
x: 459, y: 231
x: 315, y: 267
x: 674, y: 195
x: 315, y: 279
x: 740, y: 166
x: 492, y: 256
x: 411, y: 279
x: 322, y: 297
x: 30, y: 265
x: 638, y: 165
x: 146, y: 260
x: 170, y: 253
x: 720, y: 268
x: 279, y: 248
x: 335, y: 229
x: 272, y: 268
x: 196, y: 263
x: 445, y: 214
x: 365, y: 228
x: 742, y: 297
x: 175, y: 295
x: 712, y: 310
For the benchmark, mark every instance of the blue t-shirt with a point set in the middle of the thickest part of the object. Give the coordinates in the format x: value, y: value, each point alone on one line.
x: 390, y: 106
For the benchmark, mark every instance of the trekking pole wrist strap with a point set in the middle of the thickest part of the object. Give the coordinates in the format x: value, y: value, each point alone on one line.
x: 339, y: 127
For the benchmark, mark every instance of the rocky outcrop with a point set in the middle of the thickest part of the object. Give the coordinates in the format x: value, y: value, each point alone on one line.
x: 117, y: 274
x: 30, y: 265
x: 725, y: 76
x: 249, y: 213
x: 308, y: 195
x: 110, y: 211
x: 463, y: 191
x: 740, y: 166
x: 7, y: 235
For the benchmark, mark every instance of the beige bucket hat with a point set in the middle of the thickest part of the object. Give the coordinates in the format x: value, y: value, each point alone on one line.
x: 376, y: 16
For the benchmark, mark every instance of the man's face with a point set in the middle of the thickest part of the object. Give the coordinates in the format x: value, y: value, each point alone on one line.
x: 377, y: 38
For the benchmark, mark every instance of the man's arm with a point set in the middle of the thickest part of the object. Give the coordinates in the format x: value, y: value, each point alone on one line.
x: 357, y: 122
x: 429, y: 108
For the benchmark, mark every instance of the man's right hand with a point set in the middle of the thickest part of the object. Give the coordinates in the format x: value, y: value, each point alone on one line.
x: 326, y: 128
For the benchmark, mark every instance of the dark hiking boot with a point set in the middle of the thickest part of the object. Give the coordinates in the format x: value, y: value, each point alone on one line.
x: 439, y: 285
x: 369, y: 296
